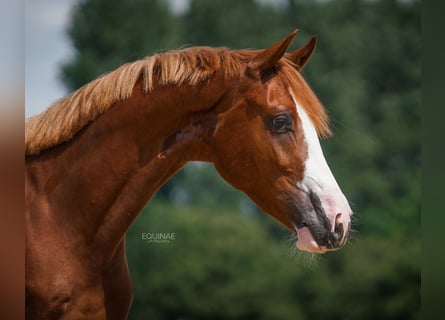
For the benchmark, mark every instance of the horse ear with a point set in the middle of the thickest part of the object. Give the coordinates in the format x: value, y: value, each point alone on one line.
x: 301, y: 56
x: 266, y: 59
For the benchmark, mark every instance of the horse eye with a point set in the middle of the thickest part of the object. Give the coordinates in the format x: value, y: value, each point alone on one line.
x: 281, y: 124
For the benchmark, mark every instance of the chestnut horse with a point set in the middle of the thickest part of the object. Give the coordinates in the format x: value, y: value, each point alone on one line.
x: 95, y: 158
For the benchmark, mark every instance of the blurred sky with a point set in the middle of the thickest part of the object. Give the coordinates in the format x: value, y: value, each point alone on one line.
x: 46, y: 47
x: 11, y: 53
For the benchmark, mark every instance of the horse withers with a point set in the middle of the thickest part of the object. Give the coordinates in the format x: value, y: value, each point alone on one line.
x: 95, y: 158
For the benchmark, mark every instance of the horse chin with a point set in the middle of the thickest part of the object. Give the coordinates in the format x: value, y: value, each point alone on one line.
x: 306, y: 241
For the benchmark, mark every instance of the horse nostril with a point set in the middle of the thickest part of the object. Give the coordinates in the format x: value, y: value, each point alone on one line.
x: 337, y: 235
x: 337, y: 219
x: 336, y: 238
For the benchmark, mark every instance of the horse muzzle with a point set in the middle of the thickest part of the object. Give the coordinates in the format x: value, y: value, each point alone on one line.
x: 323, y: 224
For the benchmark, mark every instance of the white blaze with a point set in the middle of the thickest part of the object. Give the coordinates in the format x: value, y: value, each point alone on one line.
x: 318, y: 178
x: 317, y: 175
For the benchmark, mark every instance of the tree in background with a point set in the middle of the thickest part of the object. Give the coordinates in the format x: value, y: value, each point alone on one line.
x: 224, y: 265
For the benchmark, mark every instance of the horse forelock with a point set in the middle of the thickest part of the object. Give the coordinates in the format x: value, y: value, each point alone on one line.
x: 66, y: 117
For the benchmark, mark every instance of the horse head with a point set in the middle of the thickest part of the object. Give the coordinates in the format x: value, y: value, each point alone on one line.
x: 267, y: 142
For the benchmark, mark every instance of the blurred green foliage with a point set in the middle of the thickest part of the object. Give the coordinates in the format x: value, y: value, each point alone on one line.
x: 230, y: 260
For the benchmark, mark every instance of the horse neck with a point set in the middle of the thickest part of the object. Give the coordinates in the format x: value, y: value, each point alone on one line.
x: 108, y: 172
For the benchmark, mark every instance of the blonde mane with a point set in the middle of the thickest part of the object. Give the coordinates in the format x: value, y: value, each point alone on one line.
x: 66, y: 117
